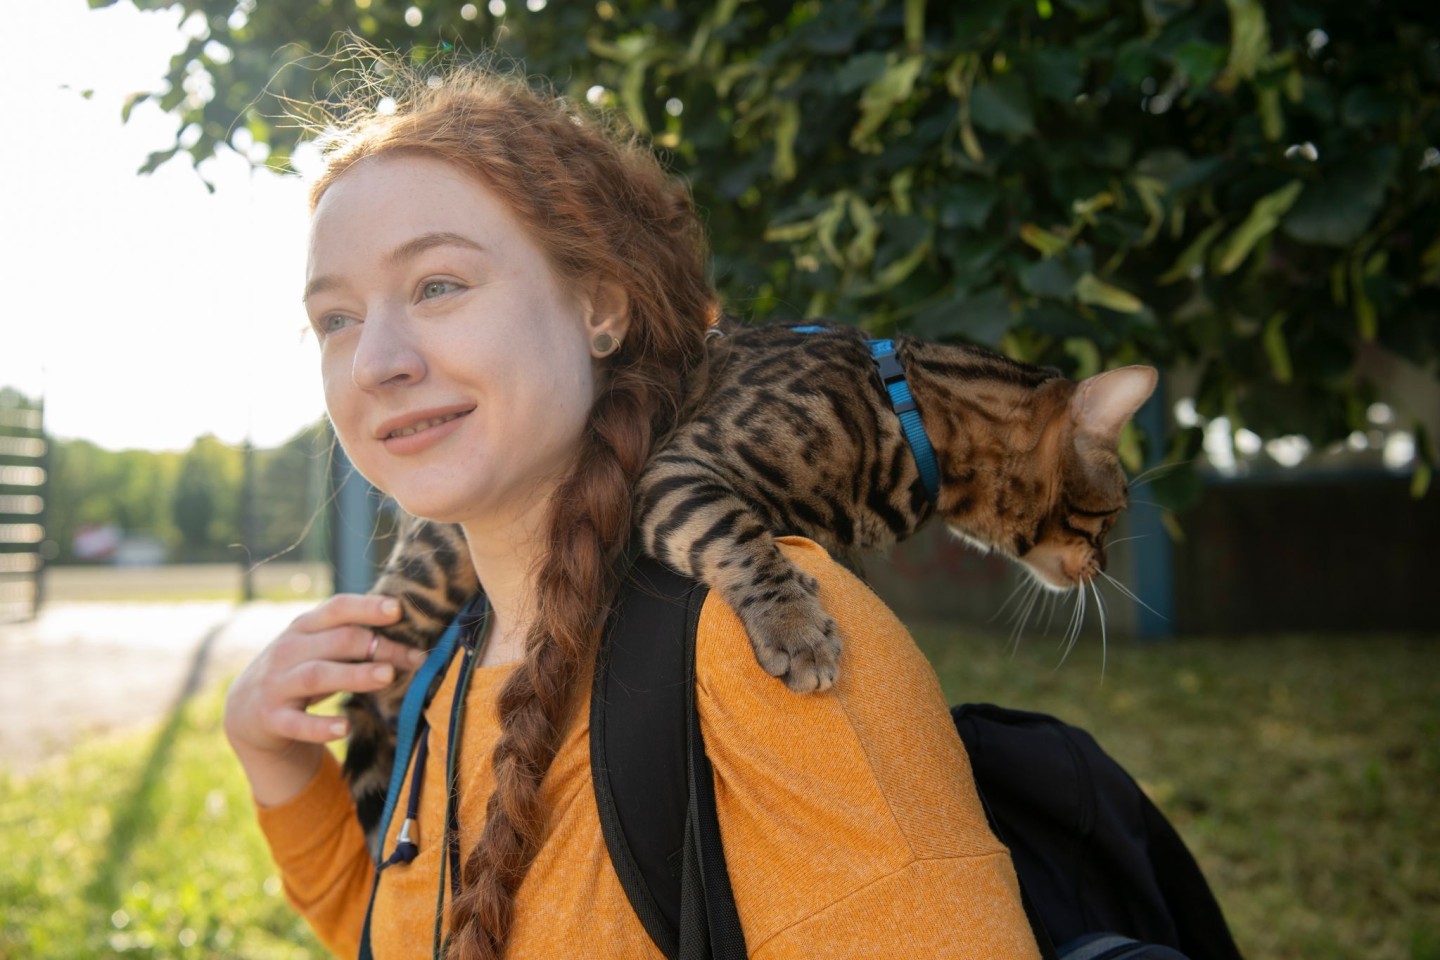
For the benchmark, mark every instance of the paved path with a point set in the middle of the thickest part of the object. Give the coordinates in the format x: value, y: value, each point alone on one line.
x: 88, y: 669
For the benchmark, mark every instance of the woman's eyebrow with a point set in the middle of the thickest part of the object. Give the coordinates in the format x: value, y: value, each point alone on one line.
x: 402, y: 254
x: 411, y: 249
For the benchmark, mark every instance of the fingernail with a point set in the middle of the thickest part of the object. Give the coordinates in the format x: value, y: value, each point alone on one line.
x: 390, y: 607
x: 338, y: 728
x: 417, y: 656
x: 383, y: 672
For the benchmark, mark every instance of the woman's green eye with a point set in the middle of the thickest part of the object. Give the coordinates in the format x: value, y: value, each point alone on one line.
x: 333, y: 322
x: 436, y: 288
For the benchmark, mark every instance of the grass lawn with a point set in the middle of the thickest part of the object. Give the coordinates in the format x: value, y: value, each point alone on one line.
x: 1303, y: 772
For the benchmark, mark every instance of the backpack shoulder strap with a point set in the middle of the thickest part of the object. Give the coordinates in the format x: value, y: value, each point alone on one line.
x: 646, y: 753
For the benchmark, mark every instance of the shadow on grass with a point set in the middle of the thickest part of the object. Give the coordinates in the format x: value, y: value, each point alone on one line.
x: 133, y: 816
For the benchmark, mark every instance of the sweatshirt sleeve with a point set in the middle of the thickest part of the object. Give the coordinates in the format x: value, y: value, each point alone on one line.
x: 850, y: 819
x: 316, y: 841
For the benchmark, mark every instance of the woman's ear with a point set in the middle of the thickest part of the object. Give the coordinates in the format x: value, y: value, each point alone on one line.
x: 609, y: 317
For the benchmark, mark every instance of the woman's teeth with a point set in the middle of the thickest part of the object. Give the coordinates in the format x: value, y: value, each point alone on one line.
x: 423, y: 425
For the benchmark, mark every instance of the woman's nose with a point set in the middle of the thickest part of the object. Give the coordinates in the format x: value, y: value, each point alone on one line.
x: 387, y: 354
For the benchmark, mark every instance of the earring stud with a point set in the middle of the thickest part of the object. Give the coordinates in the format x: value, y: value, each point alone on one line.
x: 604, y: 344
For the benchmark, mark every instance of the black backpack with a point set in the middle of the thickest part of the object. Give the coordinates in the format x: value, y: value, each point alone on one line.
x: 1103, y: 874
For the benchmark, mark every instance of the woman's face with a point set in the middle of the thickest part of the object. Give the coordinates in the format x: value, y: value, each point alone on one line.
x: 458, y: 368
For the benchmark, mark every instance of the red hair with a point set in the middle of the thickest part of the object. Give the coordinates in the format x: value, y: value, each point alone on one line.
x: 603, y: 210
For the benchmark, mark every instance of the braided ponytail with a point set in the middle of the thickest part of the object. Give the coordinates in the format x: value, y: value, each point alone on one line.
x: 589, y: 524
x: 602, y: 209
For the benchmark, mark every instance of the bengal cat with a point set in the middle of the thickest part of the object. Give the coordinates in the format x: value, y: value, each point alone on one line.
x: 795, y: 432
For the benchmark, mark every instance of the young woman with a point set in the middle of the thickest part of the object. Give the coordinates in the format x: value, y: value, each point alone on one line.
x: 510, y: 301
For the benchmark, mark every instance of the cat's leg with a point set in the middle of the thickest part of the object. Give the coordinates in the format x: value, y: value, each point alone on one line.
x: 698, y: 527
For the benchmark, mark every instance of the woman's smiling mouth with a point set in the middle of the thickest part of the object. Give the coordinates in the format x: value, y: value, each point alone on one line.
x: 414, y: 432
x: 422, y: 425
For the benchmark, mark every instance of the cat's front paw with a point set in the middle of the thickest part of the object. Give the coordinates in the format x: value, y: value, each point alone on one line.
x: 796, y: 641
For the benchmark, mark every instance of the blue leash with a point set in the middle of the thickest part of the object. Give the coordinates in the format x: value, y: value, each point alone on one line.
x: 898, y: 389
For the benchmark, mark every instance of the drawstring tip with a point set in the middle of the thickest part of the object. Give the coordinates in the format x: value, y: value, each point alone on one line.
x: 405, y: 848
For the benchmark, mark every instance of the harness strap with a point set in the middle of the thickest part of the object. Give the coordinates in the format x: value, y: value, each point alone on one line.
x: 897, y: 388
x: 893, y: 376
x: 410, y: 716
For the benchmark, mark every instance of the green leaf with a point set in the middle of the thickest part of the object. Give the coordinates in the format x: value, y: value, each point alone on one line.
x: 1133, y: 60
x: 1272, y: 118
x: 1420, y: 479
x: 1277, y: 349
x: 1249, y: 40
x: 1193, y: 256
x: 827, y: 223
x: 1367, y: 105
x: 1367, y: 319
x: 914, y: 23
x: 1337, y: 209
x: 859, y: 71
x: 891, y: 88
x: 1054, y: 277
x: 787, y: 127
x: 1151, y: 192
x: 1058, y: 73
x: 1261, y: 222
x: 1003, y: 106
x: 968, y: 204
x: 131, y: 102
x: 1201, y: 62
x: 861, y: 249
x: 1045, y: 241
x: 789, y: 232
x: 1425, y: 462
x: 982, y: 318
x: 1090, y: 289
x: 1086, y: 355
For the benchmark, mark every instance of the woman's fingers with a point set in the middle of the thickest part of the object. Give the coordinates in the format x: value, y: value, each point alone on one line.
x: 317, y: 679
x: 363, y: 644
x: 340, y: 629
x: 308, y: 727
x: 368, y: 609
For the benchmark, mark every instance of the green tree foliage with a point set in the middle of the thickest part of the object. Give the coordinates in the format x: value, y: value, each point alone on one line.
x: 291, y: 481
x: 1246, y: 192
x: 206, y: 502
x: 91, y: 485
x: 191, y: 501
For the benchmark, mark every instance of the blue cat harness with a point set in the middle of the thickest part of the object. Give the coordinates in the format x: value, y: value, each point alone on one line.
x: 892, y: 375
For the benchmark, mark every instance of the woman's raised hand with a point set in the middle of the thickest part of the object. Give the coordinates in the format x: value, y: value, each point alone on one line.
x: 325, y: 651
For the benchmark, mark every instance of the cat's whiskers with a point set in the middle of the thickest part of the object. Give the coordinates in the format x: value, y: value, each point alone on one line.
x: 1127, y: 591
x: 1072, y: 633
x: 1023, y: 582
x: 1052, y: 603
x: 1033, y: 592
x: 1157, y: 471
x: 1104, y: 638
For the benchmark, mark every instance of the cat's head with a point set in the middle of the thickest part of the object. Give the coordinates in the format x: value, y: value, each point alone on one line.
x: 1055, y: 503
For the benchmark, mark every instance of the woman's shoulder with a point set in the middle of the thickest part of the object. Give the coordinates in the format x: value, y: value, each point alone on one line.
x: 851, y: 822
x: 877, y: 650
x: 883, y: 732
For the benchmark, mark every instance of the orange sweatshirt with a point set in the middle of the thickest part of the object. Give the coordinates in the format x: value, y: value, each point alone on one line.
x: 850, y: 819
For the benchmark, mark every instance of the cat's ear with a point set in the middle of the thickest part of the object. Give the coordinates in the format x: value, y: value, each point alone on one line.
x: 1104, y: 403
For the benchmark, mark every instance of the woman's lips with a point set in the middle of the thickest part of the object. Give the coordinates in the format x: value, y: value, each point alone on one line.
x: 422, y: 434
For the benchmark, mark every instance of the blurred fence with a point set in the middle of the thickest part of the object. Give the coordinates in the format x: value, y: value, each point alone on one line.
x: 22, y: 505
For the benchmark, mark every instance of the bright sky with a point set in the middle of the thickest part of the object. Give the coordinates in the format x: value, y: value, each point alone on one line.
x: 148, y: 310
